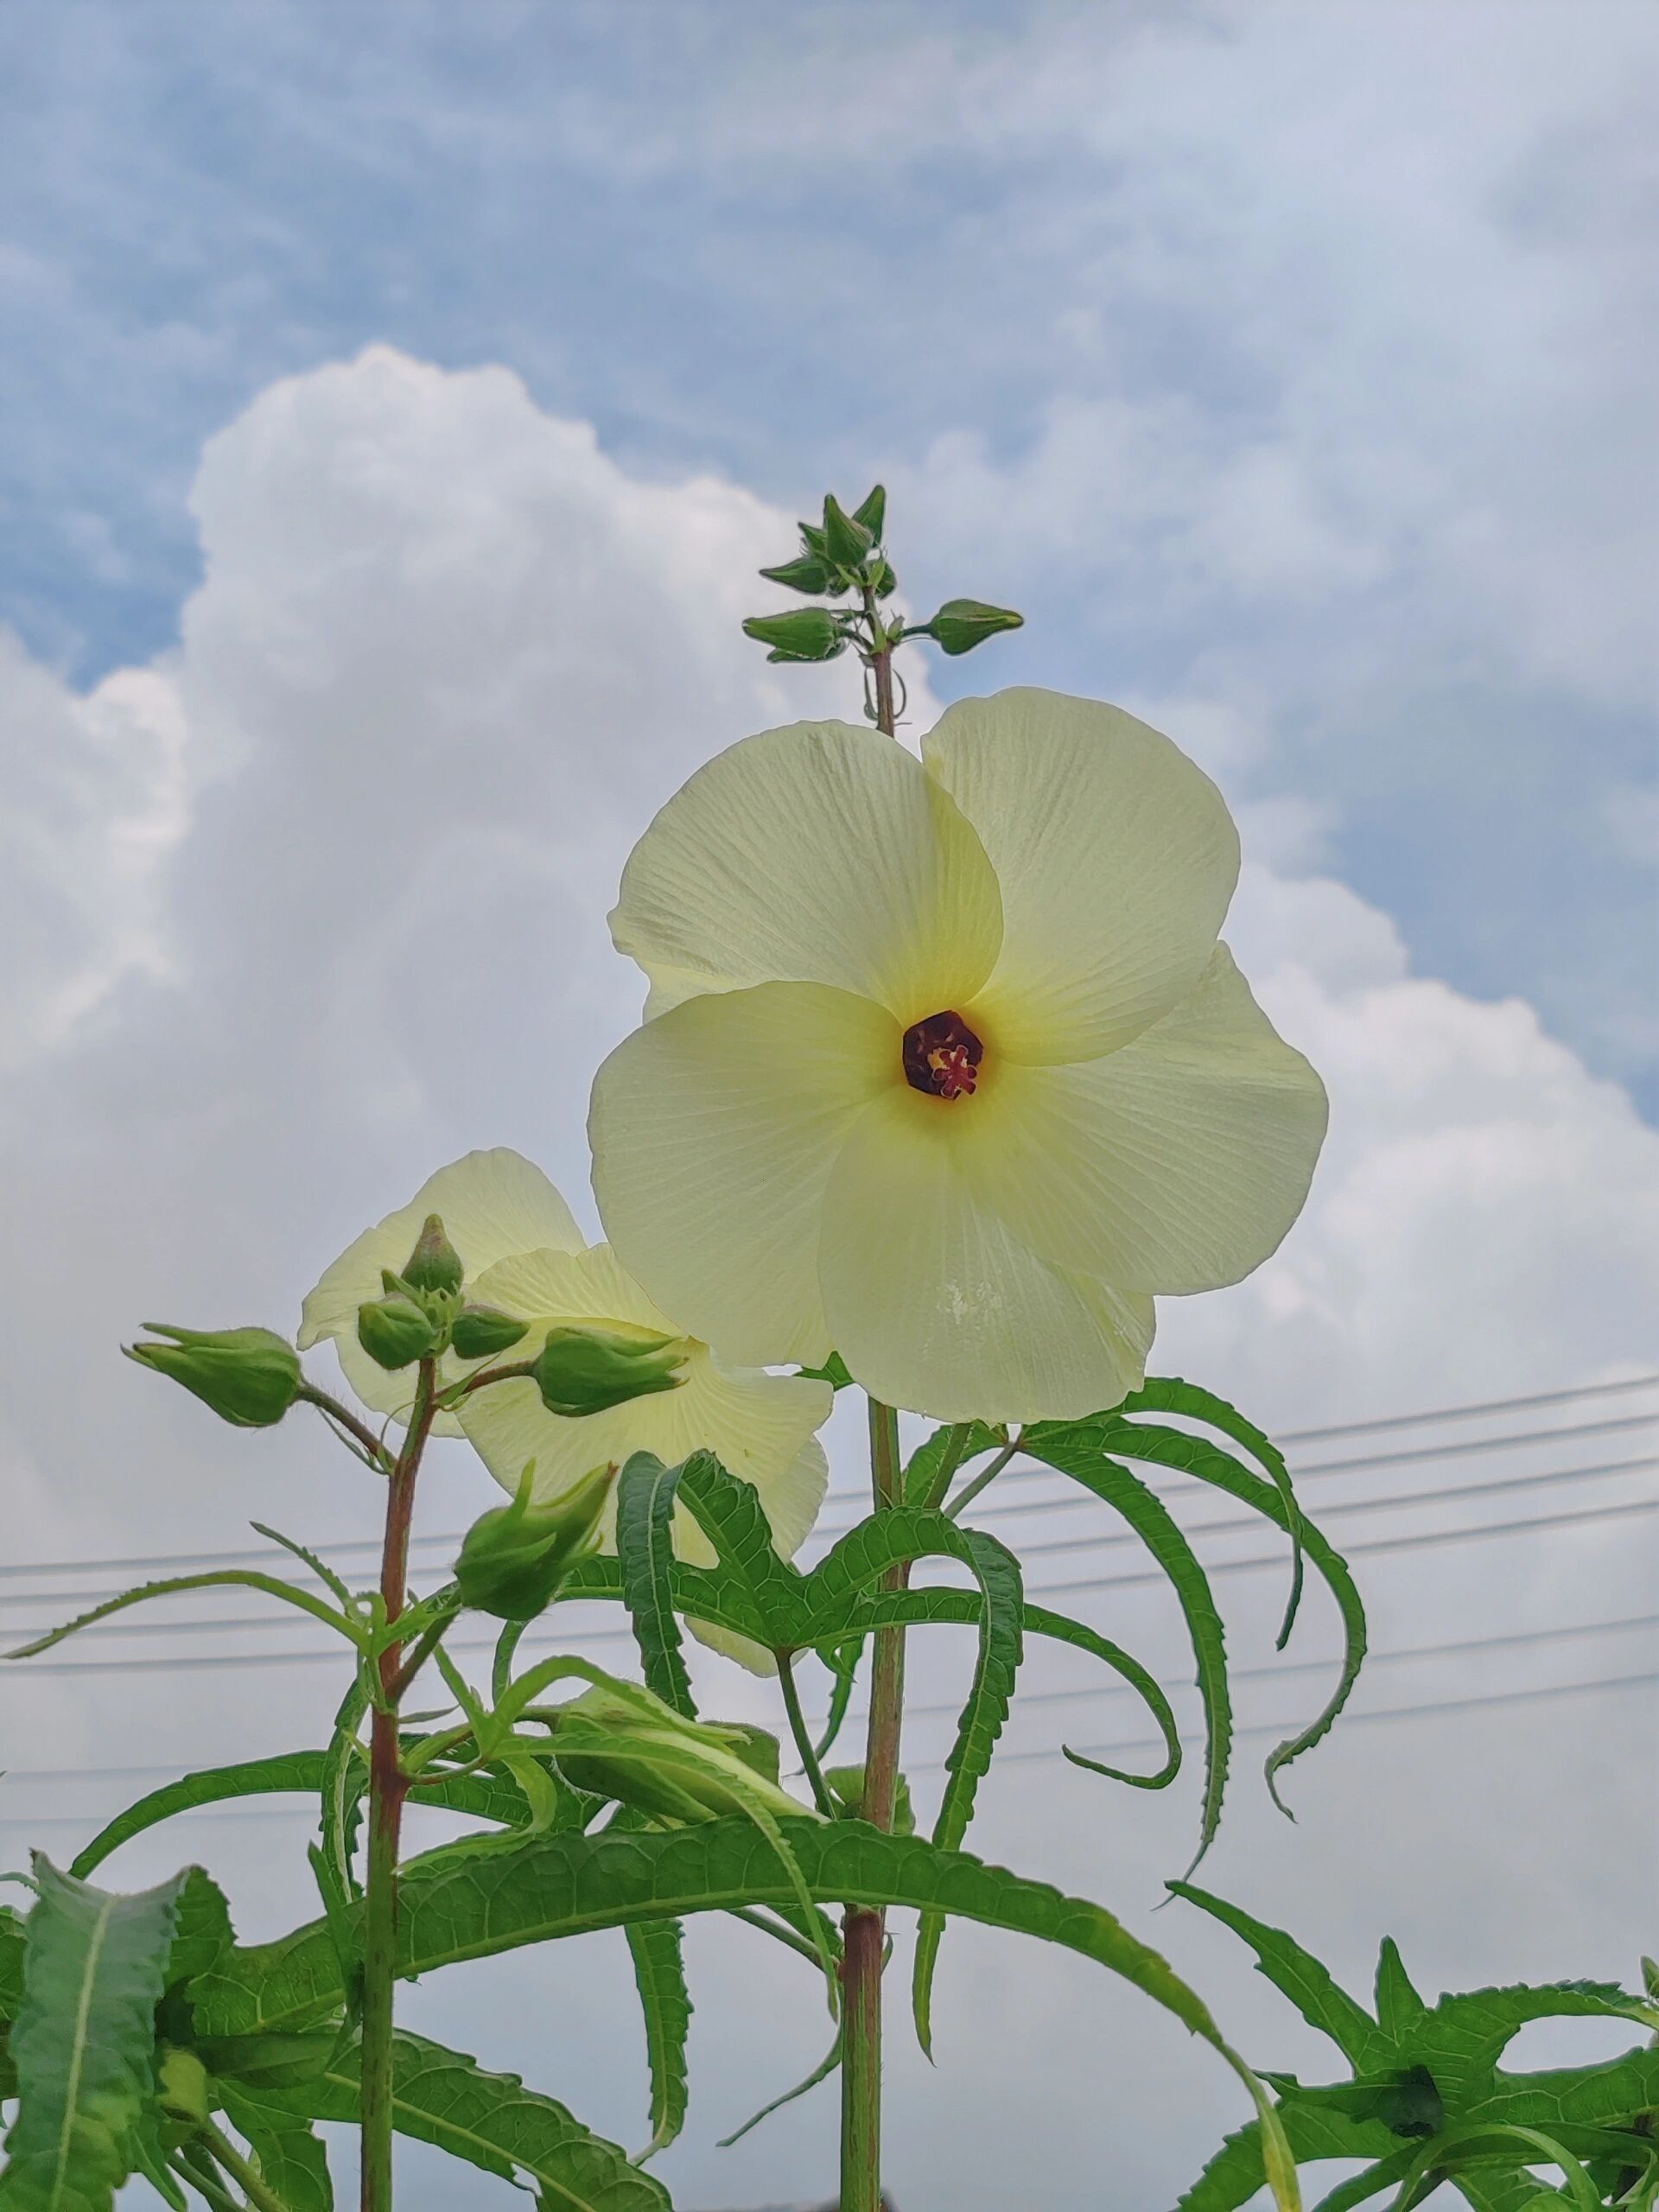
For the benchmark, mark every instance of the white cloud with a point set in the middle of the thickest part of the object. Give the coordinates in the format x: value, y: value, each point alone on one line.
x: 330, y: 885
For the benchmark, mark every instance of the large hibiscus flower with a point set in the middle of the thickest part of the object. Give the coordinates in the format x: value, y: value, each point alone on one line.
x: 944, y: 1067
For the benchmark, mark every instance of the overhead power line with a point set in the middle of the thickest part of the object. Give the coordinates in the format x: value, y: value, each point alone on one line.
x: 1418, y: 1540
x: 1047, y: 1753
x: 189, y: 1561
x: 1077, y: 1500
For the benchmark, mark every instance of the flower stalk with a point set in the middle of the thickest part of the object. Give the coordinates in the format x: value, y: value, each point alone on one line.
x: 388, y: 1787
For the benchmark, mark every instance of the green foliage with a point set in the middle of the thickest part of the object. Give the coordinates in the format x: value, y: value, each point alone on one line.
x: 645, y: 1493
x: 83, y: 2043
x: 286, y: 2147
x: 656, y: 1948
x: 490, y: 2121
x: 1427, y: 2098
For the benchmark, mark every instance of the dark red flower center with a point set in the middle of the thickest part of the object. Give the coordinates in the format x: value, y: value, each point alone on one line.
x: 941, y: 1057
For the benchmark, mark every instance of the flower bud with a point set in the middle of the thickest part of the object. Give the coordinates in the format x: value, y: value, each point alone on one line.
x: 249, y: 1376
x: 182, y: 2085
x: 513, y: 1559
x: 806, y: 573
x: 810, y: 633
x: 636, y: 1748
x: 588, y: 1370
x: 871, y: 512
x: 394, y: 1331
x: 479, y: 1332
x: 846, y: 1786
x: 846, y: 539
x: 435, y: 1264
x: 962, y: 624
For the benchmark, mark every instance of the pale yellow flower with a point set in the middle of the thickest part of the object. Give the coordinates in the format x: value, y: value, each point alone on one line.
x: 525, y: 1255
x: 944, y: 1067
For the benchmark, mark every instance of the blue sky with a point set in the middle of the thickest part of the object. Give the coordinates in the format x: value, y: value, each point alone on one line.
x: 1257, y: 359
x: 399, y: 400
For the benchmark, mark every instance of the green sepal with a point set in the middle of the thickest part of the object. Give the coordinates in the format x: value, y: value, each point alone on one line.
x: 581, y: 1371
x: 434, y: 1266
x: 806, y: 573
x: 846, y: 539
x: 871, y: 512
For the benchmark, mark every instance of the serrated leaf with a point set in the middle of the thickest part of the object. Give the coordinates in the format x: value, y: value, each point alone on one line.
x: 644, y: 1549
x: 83, y: 2040
x: 658, y: 1951
x: 1172, y: 1394
x: 1463, y: 2035
x: 1193, y: 1455
x: 1236, y: 2173
x: 1296, y: 1974
x: 571, y: 1884
x: 287, y: 2149
x: 285, y: 1773
x: 841, y: 1660
x: 948, y: 1449
x: 729, y: 1511
x: 1398, y: 2008
x: 1075, y: 1449
x: 1619, y: 2090
x: 491, y: 2121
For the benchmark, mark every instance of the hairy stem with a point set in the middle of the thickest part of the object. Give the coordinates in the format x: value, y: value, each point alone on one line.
x: 798, y: 1729
x: 343, y: 1418
x: 863, y: 1934
x: 388, y: 1787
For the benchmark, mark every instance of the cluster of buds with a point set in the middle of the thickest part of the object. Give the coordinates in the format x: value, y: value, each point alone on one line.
x: 842, y: 558
x: 415, y: 1318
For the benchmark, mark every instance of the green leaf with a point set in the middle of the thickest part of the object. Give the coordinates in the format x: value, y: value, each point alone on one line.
x: 807, y: 633
x: 269, y: 1586
x: 946, y: 1450
x: 1463, y: 2035
x: 1192, y: 1455
x: 1171, y: 1394
x: 825, y: 2066
x: 962, y: 624
x: 1617, y: 2092
x: 1398, y: 2008
x: 287, y: 2149
x: 644, y: 1550
x: 1296, y: 1974
x: 84, y: 2042
x: 658, y: 1951
x: 841, y: 1660
x: 286, y: 1772
x: 491, y: 2121
x: 1074, y: 1449
x: 201, y: 1929
x: 1235, y: 2175
x: 769, y: 1590
x: 569, y: 1884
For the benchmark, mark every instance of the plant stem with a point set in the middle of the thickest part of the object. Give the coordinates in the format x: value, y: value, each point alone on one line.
x: 864, y: 1932
x: 342, y: 1417
x: 965, y: 1496
x: 798, y: 1729
x: 387, y: 1789
x: 247, y: 2177
x: 198, y: 2169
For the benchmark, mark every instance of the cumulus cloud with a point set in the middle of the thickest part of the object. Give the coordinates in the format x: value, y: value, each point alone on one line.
x: 315, y: 902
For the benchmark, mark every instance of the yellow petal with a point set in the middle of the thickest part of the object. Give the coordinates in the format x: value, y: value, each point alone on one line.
x: 819, y: 854
x: 1115, y: 857
x: 493, y: 1203
x: 937, y: 1307
x: 757, y: 1424
x: 1175, y: 1165
x: 714, y: 1130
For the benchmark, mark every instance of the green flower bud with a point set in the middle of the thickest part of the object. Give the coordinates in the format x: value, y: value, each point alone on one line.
x: 479, y: 1332
x: 962, y: 624
x: 846, y: 1785
x: 249, y: 1376
x: 871, y: 512
x: 806, y: 574
x: 632, y: 1747
x: 394, y: 1331
x: 513, y: 1559
x: 588, y: 1370
x: 181, y: 2087
x: 435, y: 1264
x: 810, y: 633
x: 846, y: 540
